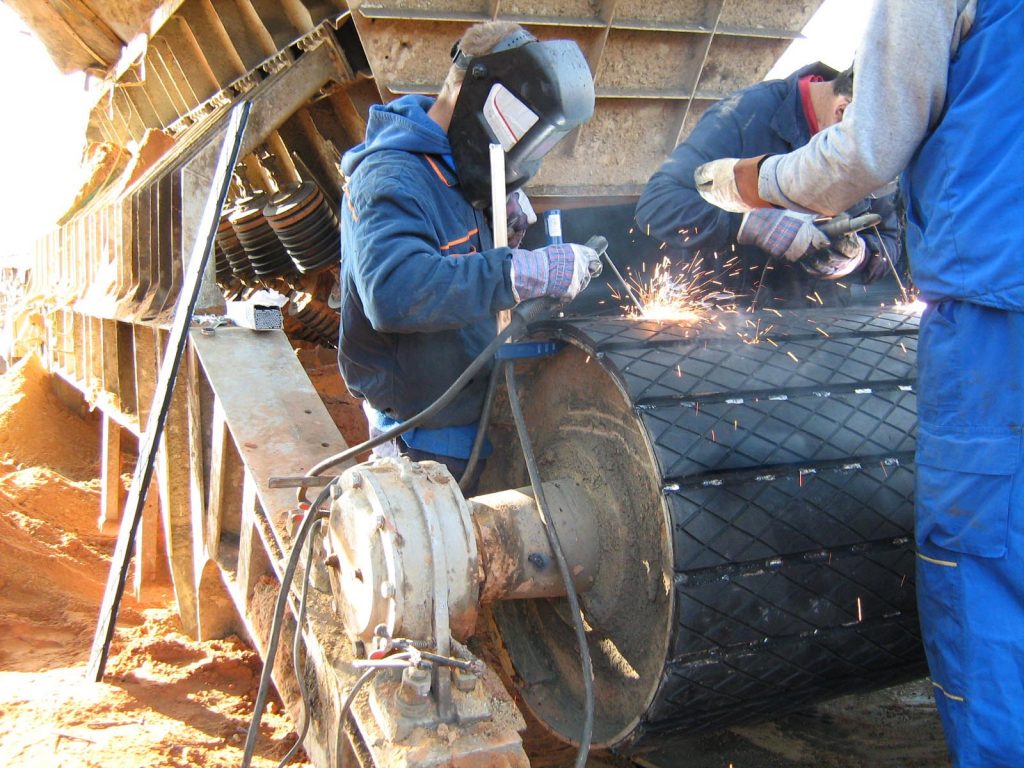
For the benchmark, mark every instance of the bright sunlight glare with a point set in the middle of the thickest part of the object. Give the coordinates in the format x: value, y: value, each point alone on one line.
x: 831, y: 37
x: 42, y: 134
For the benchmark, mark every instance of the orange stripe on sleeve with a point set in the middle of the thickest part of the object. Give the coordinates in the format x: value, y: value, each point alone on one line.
x: 460, y: 240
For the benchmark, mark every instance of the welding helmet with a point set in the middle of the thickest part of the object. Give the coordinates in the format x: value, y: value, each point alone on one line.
x: 525, y: 95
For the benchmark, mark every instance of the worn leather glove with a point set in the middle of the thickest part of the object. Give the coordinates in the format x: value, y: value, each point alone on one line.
x: 784, y: 234
x: 520, y: 215
x: 844, y: 256
x: 561, y: 271
x: 731, y: 183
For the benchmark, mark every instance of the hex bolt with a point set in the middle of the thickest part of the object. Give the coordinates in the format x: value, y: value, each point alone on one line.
x: 415, y: 684
x: 387, y: 590
x: 355, y: 481
x: 538, y: 560
x: 379, y: 521
x: 464, y: 680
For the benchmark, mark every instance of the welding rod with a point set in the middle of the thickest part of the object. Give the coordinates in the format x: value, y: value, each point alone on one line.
x: 892, y: 266
x: 629, y: 290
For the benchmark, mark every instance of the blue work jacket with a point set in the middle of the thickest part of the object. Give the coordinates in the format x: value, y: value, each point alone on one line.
x: 965, y: 184
x: 421, y: 284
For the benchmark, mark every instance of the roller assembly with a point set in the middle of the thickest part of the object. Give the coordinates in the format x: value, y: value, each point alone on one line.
x: 734, y: 499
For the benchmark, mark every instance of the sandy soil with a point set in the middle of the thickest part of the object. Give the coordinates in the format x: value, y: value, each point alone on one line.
x: 167, y: 700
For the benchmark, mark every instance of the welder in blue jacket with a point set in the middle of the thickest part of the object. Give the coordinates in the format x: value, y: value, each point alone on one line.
x: 421, y: 280
x: 754, y: 254
x: 954, y: 129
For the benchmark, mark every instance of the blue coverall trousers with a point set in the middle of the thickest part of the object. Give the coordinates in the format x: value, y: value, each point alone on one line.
x: 970, y: 527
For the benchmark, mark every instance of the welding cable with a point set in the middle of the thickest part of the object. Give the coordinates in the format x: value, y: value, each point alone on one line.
x: 339, y: 741
x: 522, y: 315
x: 485, y: 421
x: 314, y: 514
x: 563, y: 566
x: 297, y: 644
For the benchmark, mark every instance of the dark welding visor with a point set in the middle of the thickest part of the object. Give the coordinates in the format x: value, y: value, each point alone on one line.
x: 526, y: 98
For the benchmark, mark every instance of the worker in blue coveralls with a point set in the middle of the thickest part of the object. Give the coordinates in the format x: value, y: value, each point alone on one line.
x: 421, y: 280
x: 952, y: 124
x: 766, y: 254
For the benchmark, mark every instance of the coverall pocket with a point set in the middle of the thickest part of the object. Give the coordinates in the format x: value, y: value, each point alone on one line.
x: 963, y: 491
x: 940, y: 370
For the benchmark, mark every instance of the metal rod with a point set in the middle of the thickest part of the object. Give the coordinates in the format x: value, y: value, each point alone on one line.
x: 892, y: 265
x: 629, y: 290
x: 300, y: 481
x: 191, y: 282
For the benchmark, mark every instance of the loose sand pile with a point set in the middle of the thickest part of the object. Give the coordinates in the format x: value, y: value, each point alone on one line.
x: 167, y: 700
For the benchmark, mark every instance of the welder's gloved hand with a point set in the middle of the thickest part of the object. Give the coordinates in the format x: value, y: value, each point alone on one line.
x: 731, y: 183
x: 784, y: 234
x: 560, y: 271
x: 844, y: 256
x: 520, y: 215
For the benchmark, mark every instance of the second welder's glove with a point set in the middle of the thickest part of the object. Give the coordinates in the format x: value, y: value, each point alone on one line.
x: 783, y: 234
x: 520, y: 214
x: 560, y: 271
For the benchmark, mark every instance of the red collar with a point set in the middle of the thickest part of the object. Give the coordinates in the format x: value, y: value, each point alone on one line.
x: 805, y: 99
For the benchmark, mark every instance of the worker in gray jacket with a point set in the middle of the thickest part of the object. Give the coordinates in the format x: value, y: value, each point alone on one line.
x: 955, y: 128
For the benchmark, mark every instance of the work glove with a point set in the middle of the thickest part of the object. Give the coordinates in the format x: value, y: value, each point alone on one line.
x: 844, y: 256
x: 520, y: 215
x: 730, y: 183
x: 784, y: 234
x: 560, y: 271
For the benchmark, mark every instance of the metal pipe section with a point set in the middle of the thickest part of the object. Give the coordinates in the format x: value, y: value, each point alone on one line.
x: 516, y: 561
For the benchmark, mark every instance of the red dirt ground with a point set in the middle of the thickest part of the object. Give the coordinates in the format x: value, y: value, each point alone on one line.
x: 167, y: 700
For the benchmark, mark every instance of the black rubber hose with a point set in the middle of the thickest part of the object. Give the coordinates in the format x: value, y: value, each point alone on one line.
x: 485, y: 421
x: 523, y: 314
x: 296, y: 647
x: 339, y: 741
x: 563, y: 567
x: 314, y: 515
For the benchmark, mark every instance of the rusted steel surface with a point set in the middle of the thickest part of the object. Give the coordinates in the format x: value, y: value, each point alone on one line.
x: 657, y: 66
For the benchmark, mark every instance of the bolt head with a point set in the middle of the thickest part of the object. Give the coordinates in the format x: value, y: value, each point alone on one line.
x: 387, y: 590
x: 464, y: 680
x: 380, y: 522
x: 416, y: 681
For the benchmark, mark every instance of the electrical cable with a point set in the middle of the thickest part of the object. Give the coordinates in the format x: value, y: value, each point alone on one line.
x: 315, y: 514
x: 563, y: 567
x: 297, y: 643
x: 485, y: 421
x: 339, y: 742
x: 522, y: 315
x: 364, y: 678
